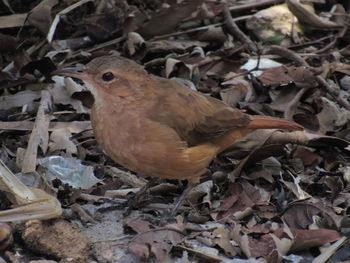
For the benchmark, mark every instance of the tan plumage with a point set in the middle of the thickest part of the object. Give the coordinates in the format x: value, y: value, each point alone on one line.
x: 159, y: 127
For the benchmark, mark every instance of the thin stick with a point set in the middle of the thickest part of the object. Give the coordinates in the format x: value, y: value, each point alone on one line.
x: 234, y: 30
x: 196, y: 29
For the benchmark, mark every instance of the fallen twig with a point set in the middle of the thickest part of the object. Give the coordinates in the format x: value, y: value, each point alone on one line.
x: 234, y: 30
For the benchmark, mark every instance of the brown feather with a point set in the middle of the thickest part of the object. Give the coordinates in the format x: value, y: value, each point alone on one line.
x: 267, y: 122
x: 159, y: 127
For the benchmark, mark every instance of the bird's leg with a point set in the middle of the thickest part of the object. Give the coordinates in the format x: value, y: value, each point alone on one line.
x: 133, y: 201
x: 182, y: 198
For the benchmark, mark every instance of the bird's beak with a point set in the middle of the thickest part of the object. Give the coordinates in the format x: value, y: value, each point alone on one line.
x: 77, y: 72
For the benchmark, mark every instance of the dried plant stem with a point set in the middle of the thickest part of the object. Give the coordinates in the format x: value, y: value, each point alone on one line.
x: 39, y: 135
x: 234, y: 30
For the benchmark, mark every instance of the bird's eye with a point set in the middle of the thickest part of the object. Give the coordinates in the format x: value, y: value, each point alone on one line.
x: 108, y: 76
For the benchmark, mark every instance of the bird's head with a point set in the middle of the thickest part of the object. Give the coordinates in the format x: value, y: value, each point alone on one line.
x: 109, y: 77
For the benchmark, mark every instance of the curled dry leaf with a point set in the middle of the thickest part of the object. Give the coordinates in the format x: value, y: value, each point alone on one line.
x: 174, y: 67
x: 201, y: 194
x: 302, y: 214
x: 135, y: 45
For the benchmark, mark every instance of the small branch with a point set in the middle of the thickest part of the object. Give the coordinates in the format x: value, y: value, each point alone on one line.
x: 286, y: 53
x: 234, y: 30
x: 196, y: 29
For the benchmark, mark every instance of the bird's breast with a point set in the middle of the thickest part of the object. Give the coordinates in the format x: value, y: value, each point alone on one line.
x: 147, y: 146
x: 113, y: 129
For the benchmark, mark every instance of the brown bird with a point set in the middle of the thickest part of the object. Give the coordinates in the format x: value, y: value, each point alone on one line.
x: 159, y: 127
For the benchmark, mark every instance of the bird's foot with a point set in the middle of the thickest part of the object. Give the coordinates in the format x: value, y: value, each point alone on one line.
x: 134, y: 201
x: 181, y: 199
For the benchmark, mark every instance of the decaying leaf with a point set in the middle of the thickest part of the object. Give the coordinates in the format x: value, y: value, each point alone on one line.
x: 331, y: 118
x: 276, y: 240
x: 241, y: 200
x: 301, y: 76
x: 154, y: 241
x: 305, y: 213
x: 172, y: 14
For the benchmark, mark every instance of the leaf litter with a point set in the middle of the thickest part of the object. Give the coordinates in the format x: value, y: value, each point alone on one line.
x: 274, y: 196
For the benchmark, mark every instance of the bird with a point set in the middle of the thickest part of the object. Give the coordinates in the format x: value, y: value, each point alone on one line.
x: 159, y: 127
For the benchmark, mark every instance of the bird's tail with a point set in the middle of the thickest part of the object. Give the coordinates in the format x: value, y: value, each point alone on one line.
x: 267, y: 122
x: 257, y: 122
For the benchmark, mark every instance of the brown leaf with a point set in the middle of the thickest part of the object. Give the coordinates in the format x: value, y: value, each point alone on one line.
x: 308, y: 157
x: 307, y: 120
x: 264, y: 174
x: 173, y: 15
x: 301, y: 214
x: 40, y: 16
x: 139, y: 225
x: 302, y: 77
x: 158, y: 242
x: 221, y: 237
x: 332, y: 117
x: 255, y: 246
x: 305, y: 239
x: 243, y: 196
x: 284, y: 97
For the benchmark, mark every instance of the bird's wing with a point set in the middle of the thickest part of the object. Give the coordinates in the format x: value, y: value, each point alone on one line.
x: 195, y: 117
